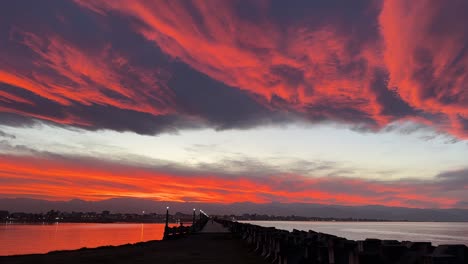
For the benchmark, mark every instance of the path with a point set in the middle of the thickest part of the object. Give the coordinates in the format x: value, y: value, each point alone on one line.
x: 213, y: 227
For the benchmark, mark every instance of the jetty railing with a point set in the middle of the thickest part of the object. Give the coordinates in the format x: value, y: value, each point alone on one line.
x: 181, y: 231
x: 301, y: 247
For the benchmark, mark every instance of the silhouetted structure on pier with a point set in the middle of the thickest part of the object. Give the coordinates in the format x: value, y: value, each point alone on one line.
x: 180, y: 231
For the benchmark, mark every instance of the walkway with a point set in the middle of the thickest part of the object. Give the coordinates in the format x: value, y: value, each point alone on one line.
x: 213, y: 227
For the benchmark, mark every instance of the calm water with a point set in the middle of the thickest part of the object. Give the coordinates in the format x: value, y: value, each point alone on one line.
x: 27, y: 239
x: 437, y: 233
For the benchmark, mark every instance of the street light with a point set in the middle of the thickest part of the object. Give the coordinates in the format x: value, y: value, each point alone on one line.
x: 193, y: 220
x: 167, y: 217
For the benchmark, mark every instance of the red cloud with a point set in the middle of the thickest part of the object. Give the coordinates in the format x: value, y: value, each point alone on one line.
x: 317, y: 67
x: 65, y: 74
x: 300, y: 65
x: 94, y: 180
x: 425, y: 55
x: 371, y: 64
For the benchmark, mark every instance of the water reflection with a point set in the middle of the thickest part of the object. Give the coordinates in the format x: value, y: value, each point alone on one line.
x: 142, y: 229
x: 42, y: 238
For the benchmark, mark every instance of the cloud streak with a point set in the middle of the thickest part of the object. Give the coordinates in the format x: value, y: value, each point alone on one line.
x: 180, y: 63
x: 57, y: 177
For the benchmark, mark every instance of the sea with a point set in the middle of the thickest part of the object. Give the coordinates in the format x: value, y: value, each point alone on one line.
x: 42, y: 238
x: 438, y: 233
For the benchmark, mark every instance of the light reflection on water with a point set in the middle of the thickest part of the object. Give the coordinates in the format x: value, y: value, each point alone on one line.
x: 28, y: 239
x: 436, y: 232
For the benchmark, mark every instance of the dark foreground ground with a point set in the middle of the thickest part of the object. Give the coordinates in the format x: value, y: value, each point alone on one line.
x: 196, y: 248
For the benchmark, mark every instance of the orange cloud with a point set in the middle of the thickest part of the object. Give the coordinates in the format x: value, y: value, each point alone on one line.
x: 62, y: 178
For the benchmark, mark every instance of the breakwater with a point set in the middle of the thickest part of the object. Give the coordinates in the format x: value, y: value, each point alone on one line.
x: 284, y: 247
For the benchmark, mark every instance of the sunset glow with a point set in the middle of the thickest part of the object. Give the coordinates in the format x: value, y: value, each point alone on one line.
x: 330, y: 102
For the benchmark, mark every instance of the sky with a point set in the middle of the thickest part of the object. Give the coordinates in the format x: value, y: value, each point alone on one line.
x: 331, y: 101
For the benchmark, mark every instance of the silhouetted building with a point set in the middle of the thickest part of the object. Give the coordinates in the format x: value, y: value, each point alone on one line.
x: 4, y: 215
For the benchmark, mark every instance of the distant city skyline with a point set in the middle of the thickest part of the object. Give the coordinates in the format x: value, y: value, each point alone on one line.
x: 311, y: 210
x: 326, y: 102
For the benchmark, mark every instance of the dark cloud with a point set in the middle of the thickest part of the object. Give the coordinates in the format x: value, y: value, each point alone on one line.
x: 236, y: 64
x: 389, y: 99
x: 223, y: 107
x: 462, y: 204
x: 453, y: 180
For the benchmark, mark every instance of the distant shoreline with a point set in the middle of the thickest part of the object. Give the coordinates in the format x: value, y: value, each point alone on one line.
x: 156, y: 209
x: 243, y: 220
x: 117, y: 222
x: 54, y: 216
